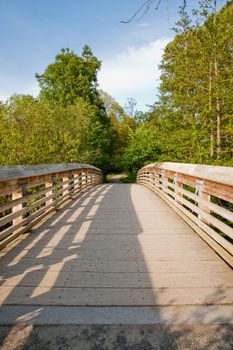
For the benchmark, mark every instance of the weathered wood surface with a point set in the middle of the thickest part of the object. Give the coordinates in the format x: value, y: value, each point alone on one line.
x: 215, y: 173
x: 30, y: 193
x: 116, y: 245
x: 24, y: 171
x: 201, y: 195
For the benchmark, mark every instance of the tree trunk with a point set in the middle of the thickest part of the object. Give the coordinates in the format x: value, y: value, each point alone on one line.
x: 211, y: 140
x: 210, y: 109
x: 218, y: 114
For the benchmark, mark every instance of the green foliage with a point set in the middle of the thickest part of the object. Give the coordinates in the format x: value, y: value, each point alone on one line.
x: 121, y: 127
x: 35, y: 132
x: 142, y: 149
x: 196, y: 71
x: 109, y: 176
x: 67, y: 123
x: 129, y: 178
x: 72, y: 121
x: 71, y: 76
x: 192, y: 121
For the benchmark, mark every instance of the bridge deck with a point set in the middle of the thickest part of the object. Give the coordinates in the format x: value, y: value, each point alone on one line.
x: 117, y: 245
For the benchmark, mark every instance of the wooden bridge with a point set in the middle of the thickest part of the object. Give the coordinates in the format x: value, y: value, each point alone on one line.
x: 159, y: 251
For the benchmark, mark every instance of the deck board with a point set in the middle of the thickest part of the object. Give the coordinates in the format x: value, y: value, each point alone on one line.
x: 117, y: 245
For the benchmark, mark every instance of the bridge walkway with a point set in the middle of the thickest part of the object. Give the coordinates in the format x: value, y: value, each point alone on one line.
x: 116, y: 245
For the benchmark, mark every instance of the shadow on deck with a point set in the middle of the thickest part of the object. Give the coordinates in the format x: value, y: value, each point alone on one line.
x: 116, y: 255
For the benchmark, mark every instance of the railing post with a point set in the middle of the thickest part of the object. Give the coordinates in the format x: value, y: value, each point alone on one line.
x: 83, y: 181
x: 16, y: 195
x: 97, y: 178
x: 87, y: 178
x: 66, y: 191
x: 162, y: 173
x: 48, y: 184
x: 151, y: 178
x: 76, y: 181
x: 18, y: 207
x: 177, y: 184
x: 92, y: 179
x: 80, y: 179
x: 72, y: 189
x: 50, y: 187
x: 203, y: 195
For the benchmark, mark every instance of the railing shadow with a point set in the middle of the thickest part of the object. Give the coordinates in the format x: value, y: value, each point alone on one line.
x: 85, y: 254
x: 89, y: 253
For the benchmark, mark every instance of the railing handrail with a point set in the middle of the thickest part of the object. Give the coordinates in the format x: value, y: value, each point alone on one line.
x: 201, y: 195
x: 23, y: 171
x: 215, y: 173
x: 29, y: 193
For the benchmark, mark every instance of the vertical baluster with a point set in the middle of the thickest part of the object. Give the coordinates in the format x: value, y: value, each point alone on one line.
x: 48, y: 184
x: 202, y: 194
x: 84, y: 180
x: 21, y: 192
x: 65, y: 190
x: 177, y: 184
x: 16, y: 195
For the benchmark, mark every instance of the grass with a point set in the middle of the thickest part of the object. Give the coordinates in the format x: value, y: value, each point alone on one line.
x: 129, y: 178
x: 109, y: 176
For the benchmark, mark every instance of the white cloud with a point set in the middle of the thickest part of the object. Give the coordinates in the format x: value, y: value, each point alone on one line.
x: 133, y: 73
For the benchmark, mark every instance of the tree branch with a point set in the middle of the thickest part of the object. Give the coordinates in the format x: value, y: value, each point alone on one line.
x: 145, y: 8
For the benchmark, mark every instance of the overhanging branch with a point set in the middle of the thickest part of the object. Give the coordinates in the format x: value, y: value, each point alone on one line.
x: 144, y: 8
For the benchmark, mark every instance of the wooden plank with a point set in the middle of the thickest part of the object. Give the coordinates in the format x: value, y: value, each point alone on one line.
x: 25, y: 171
x: 221, y: 191
x: 155, y: 259
x: 202, y: 213
x: 27, y: 197
x: 47, y: 199
x: 12, y: 186
x: 11, y: 233
x: 210, y: 236
x: 60, y: 279
x: 212, y: 206
x: 17, y: 208
x: 121, y: 266
x: 115, y: 296
x: 213, y: 173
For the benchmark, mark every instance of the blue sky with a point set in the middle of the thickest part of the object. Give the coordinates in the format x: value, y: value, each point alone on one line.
x: 33, y: 32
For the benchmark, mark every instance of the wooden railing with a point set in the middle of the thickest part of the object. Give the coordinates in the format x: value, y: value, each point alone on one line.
x: 30, y: 193
x: 202, y: 195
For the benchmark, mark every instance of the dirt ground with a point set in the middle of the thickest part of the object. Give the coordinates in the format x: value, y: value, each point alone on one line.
x: 180, y: 337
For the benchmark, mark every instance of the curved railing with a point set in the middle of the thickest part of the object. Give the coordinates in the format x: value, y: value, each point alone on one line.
x: 30, y: 193
x: 202, y: 195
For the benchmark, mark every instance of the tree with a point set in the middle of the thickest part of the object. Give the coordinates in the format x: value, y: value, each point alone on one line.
x: 71, y: 77
x: 121, y: 124
x: 130, y: 107
x: 34, y: 132
x: 67, y: 80
x: 216, y: 38
x: 196, y: 70
x: 112, y: 107
x: 143, y: 148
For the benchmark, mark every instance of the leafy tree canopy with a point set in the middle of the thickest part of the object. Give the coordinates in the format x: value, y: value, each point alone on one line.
x: 71, y: 76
